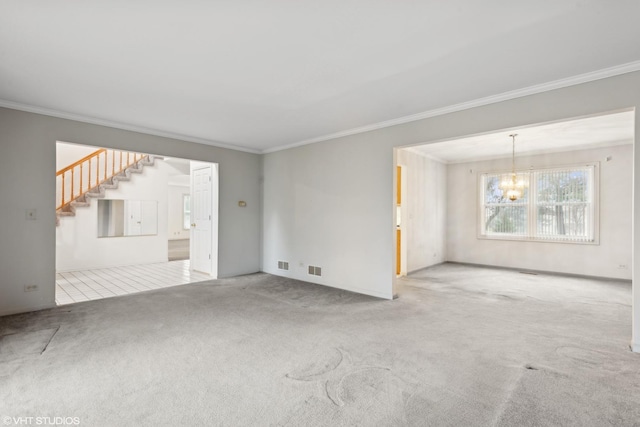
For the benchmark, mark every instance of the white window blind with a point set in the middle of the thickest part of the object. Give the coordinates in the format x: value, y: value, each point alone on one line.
x: 557, y: 205
x: 564, y: 204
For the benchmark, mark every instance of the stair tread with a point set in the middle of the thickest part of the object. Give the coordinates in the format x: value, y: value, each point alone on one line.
x: 98, y: 192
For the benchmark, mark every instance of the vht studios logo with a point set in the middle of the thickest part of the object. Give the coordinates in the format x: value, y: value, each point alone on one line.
x: 41, y: 421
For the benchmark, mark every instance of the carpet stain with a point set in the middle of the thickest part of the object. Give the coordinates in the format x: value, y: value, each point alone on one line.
x: 342, y: 377
x: 25, y: 343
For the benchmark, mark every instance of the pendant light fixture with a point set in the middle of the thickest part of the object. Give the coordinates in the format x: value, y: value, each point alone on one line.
x: 511, y: 186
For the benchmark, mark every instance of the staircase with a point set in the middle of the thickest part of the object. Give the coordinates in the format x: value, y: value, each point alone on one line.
x: 91, y: 176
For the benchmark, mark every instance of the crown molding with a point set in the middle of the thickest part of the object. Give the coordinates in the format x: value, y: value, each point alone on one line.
x: 525, y: 155
x: 118, y: 125
x: 505, y: 96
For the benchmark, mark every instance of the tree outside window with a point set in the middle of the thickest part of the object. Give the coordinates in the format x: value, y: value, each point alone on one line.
x: 556, y: 205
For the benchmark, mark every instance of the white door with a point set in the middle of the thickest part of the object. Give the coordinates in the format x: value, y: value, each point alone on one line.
x: 201, y: 221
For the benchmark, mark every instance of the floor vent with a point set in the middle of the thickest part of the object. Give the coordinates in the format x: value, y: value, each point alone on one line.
x: 283, y: 265
x: 315, y: 271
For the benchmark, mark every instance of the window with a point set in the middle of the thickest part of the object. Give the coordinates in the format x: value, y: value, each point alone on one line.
x: 186, y: 211
x: 556, y: 205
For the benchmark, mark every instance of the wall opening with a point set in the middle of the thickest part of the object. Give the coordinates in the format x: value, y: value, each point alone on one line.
x: 124, y: 222
x: 606, y: 140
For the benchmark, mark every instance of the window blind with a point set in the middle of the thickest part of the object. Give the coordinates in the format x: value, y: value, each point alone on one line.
x: 556, y: 205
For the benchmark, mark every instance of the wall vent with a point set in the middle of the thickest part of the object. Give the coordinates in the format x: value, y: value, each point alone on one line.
x: 283, y: 265
x: 315, y: 271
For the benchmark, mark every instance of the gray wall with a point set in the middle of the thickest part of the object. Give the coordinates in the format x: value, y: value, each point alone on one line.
x: 325, y: 205
x: 332, y: 203
x: 27, y: 172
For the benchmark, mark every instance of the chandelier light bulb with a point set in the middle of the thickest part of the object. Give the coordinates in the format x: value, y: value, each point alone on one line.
x: 511, y: 185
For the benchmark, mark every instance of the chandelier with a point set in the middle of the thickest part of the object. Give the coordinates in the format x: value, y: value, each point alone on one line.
x: 512, y: 187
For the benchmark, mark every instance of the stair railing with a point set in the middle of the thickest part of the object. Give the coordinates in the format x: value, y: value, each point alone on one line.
x: 89, y: 172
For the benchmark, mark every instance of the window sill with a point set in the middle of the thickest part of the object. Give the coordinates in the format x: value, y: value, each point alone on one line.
x: 531, y: 240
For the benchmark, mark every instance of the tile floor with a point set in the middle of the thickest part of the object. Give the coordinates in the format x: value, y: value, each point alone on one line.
x: 85, y: 285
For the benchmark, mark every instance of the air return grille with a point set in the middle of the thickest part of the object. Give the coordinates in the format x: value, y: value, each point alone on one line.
x: 315, y: 271
x: 283, y: 265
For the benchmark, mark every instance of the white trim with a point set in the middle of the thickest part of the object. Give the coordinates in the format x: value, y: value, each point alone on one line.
x: 548, y: 272
x: 403, y: 220
x: 528, y: 153
x: 359, y: 290
x: 118, y: 125
x: 308, y: 279
x: 505, y: 96
x: 635, y: 347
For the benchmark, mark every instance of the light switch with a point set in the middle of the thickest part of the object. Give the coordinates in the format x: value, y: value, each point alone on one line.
x: 31, y: 214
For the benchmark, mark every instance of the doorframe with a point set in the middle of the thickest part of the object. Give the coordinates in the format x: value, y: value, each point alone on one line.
x: 402, y: 197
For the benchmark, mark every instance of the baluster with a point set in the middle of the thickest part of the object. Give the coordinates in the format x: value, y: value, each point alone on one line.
x: 73, y: 178
x: 97, y: 169
x: 113, y: 162
x: 128, y: 159
x: 62, y: 190
x: 81, y: 190
x: 105, y: 165
x: 120, y: 162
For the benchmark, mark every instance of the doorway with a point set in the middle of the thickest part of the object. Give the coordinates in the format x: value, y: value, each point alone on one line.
x: 452, y: 215
x: 133, y: 195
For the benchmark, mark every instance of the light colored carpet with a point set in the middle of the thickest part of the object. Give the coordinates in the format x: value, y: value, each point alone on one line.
x: 461, y: 346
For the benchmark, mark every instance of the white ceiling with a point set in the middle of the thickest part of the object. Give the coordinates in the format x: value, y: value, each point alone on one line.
x: 590, y: 132
x: 260, y: 75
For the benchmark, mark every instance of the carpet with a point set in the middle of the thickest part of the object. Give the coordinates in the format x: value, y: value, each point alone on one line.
x: 460, y: 346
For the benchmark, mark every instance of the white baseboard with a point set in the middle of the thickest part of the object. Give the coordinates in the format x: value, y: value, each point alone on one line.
x: 635, y: 347
x: 355, y: 289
